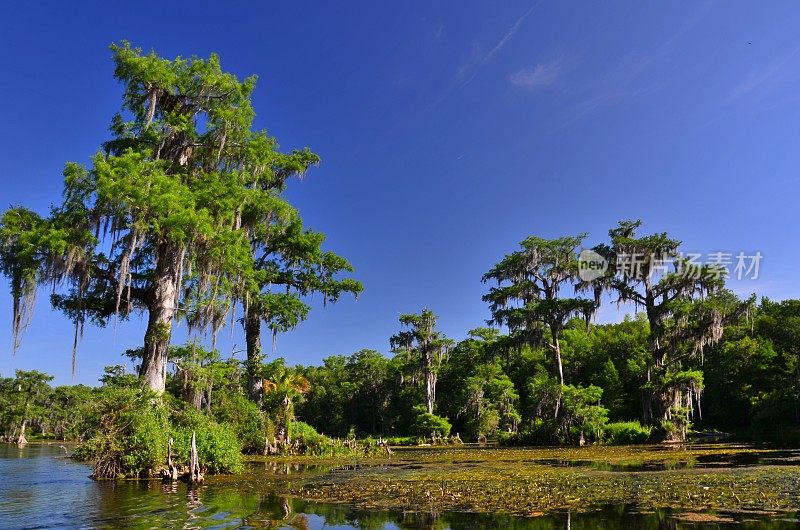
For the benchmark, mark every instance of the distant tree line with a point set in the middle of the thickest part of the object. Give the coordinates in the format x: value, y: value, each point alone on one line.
x: 486, y: 385
x: 490, y: 385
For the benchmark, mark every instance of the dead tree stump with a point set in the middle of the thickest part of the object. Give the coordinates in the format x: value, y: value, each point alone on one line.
x: 195, y: 476
x: 171, y: 473
x: 385, y: 445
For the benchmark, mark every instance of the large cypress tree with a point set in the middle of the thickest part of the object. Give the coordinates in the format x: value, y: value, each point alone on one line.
x: 162, y: 220
x: 426, y: 346
x: 687, y: 308
x: 529, y: 295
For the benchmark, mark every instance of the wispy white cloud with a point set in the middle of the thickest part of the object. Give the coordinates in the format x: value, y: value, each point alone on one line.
x: 480, y: 58
x: 764, y: 80
x: 542, y: 75
x: 624, y: 80
x: 507, y: 37
x: 619, y: 83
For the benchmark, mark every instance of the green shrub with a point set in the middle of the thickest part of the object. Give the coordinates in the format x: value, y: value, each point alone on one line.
x: 581, y: 419
x: 401, y: 440
x: 540, y: 433
x: 218, y: 448
x: 581, y: 415
x: 626, y: 432
x: 130, y: 432
x: 248, y: 422
x: 312, y: 443
x: 426, y: 424
x: 305, y: 432
x: 145, y: 447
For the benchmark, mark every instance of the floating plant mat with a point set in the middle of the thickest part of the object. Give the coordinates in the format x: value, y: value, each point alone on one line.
x: 538, y: 480
x: 253, y: 500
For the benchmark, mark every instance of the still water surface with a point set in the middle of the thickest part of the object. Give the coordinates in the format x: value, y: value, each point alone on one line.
x: 40, y: 488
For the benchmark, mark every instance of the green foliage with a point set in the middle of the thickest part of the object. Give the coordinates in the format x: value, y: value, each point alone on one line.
x: 23, y: 401
x: 66, y: 414
x: 304, y: 431
x: 142, y: 446
x: 427, y: 424
x: 281, y: 387
x: 423, y: 349
x: 625, y: 433
x: 401, y: 440
x: 132, y: 431
x: 289, y: 265
x: 310, y: 440
x: 218, y: 447
x: 528, y: 296
x: 184, y: 208
x: 117, y: 377
x: 129, y: 435
x: 181, y: 216
x: 249, y: 423
x: 583, y: 416
x: 504, y: 386
x: 311, y: 443
x: 329, y: 403
x: 687, y: 308
x: 476, y: 392
x: 532, y: 434
x: 749, y: 380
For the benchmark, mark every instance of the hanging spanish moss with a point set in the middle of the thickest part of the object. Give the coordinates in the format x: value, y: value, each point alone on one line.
x: 687, y: 309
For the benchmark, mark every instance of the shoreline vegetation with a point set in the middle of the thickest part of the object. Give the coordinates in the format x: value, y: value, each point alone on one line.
x: 182, y: 216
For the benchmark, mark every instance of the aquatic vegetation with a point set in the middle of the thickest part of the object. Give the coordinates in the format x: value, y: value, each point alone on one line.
x: 259, y: 498
x: 531, y: 481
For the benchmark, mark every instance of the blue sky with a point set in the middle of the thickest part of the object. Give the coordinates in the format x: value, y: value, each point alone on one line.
x: 448, y: 132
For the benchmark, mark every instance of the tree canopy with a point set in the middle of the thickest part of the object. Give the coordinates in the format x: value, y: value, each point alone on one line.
x: 180, y: 215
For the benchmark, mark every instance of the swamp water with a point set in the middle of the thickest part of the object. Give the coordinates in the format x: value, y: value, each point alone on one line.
x: 720, y: 486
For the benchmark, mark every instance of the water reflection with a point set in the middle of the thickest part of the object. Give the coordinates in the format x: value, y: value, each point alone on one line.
x: 42, y: 489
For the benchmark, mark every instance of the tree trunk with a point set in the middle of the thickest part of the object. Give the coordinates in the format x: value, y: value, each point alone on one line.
x: 191, y: 394
x: 430, y: 388
x: 288, y: 413
x: 560, y: 366
x: 21, y: 440
x: 161, y: 313
x: 252, y: 331
x: 195, y: 397
x: 430, y: 381
x: 171, y: 473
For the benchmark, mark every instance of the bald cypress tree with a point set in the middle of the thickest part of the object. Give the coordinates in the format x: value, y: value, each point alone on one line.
x: 687, y: 308
x: 427, y: 347
x: 290, y: 265
x: 164, y: 218
x: 530, y: 297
